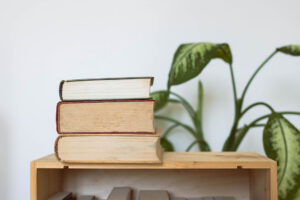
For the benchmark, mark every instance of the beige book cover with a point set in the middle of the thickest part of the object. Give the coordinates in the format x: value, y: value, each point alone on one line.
x: 99, y: 117
x: 117, y: 148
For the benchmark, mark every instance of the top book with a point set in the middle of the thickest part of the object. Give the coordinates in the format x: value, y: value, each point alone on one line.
x: 105, y: 89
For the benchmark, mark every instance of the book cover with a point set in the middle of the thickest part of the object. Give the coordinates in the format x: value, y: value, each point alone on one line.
x: 105, y: 88
x: 109, y: 116
x: 107, y: 148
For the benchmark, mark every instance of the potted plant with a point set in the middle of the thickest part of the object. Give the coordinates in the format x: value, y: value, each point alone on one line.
x: 281, y: 139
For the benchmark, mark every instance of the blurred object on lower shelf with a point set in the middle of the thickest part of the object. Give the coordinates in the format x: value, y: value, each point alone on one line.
x: 86, y: 197
x: 153, y: 194
x: 212, y: 198
x: 120, y: 193
x: 62, y: 196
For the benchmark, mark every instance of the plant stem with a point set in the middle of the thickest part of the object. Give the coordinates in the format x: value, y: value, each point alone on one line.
x: 188, y: 128
x: 230, y: 142
x: 199, y: 105
x: 233, y: 87
x: 240, y: 137
x: 254, y: 124
x: 203, y: 146
x: 266, y: 116
x: 258, y: 125
x: 168, y: 131
x: 237, y: 108
x: 256, y: 104
x: 185, y: 104
x: 173, y: 101
x: 191, y: 145
x: 254, y: 75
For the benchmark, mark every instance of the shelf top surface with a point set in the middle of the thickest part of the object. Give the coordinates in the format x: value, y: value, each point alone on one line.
x: 176, y: 160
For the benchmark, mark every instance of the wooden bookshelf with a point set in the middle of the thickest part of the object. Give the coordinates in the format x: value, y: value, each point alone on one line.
x: 244, y: 176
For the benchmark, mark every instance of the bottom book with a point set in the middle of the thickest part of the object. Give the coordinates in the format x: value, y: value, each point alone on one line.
x: 113, y: 148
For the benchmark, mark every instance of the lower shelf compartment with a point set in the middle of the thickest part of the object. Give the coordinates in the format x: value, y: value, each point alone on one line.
x: 241, y: 184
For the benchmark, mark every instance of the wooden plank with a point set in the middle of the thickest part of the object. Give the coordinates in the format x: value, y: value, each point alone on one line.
x: 49, y: 182
x: 260, y: 184
x: 49, y: 161
x: 178, y: 160
x: 33, y: 181
x: 273, y: 181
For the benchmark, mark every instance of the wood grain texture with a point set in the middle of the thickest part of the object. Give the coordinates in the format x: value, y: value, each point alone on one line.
x: 44, y: 182
x: 260, y: 184
x: 273, y: 181
x: 179, y: 160
x: 33, y: 181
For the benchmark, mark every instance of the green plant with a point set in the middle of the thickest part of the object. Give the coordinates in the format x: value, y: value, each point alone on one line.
x: 280, y: 138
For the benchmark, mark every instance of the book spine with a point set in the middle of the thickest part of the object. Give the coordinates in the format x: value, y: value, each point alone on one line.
x: 56, y: 147
x: 151, y: 81
x: 61, y: 85
x: 57, y: 118
x: 159, y: 150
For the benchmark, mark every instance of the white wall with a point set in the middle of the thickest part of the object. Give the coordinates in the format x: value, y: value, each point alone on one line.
x: 43, y: 42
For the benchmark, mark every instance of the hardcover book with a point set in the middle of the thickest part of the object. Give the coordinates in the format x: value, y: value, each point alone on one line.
x: 117, y: 148
x: 108, y: 88
x: 119, y: 116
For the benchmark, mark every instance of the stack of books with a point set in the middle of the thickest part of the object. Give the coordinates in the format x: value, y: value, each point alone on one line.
x: 107, y: 121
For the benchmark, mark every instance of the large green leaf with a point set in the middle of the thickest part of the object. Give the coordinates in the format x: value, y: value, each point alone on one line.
x: 190, y: 59
x: 161, y: 99
x: 295, y: 194
x: 282, y: 143
x: 293, y: 50
x: 166, y: 144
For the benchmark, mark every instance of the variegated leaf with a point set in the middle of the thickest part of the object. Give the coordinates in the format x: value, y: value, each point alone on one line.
x: 190, y: 59
x: 161, y: 99
x: 293, y: 50
x: 282, y: 143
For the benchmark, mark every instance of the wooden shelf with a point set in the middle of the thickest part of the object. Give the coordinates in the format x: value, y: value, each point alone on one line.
x: 244, y: 176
